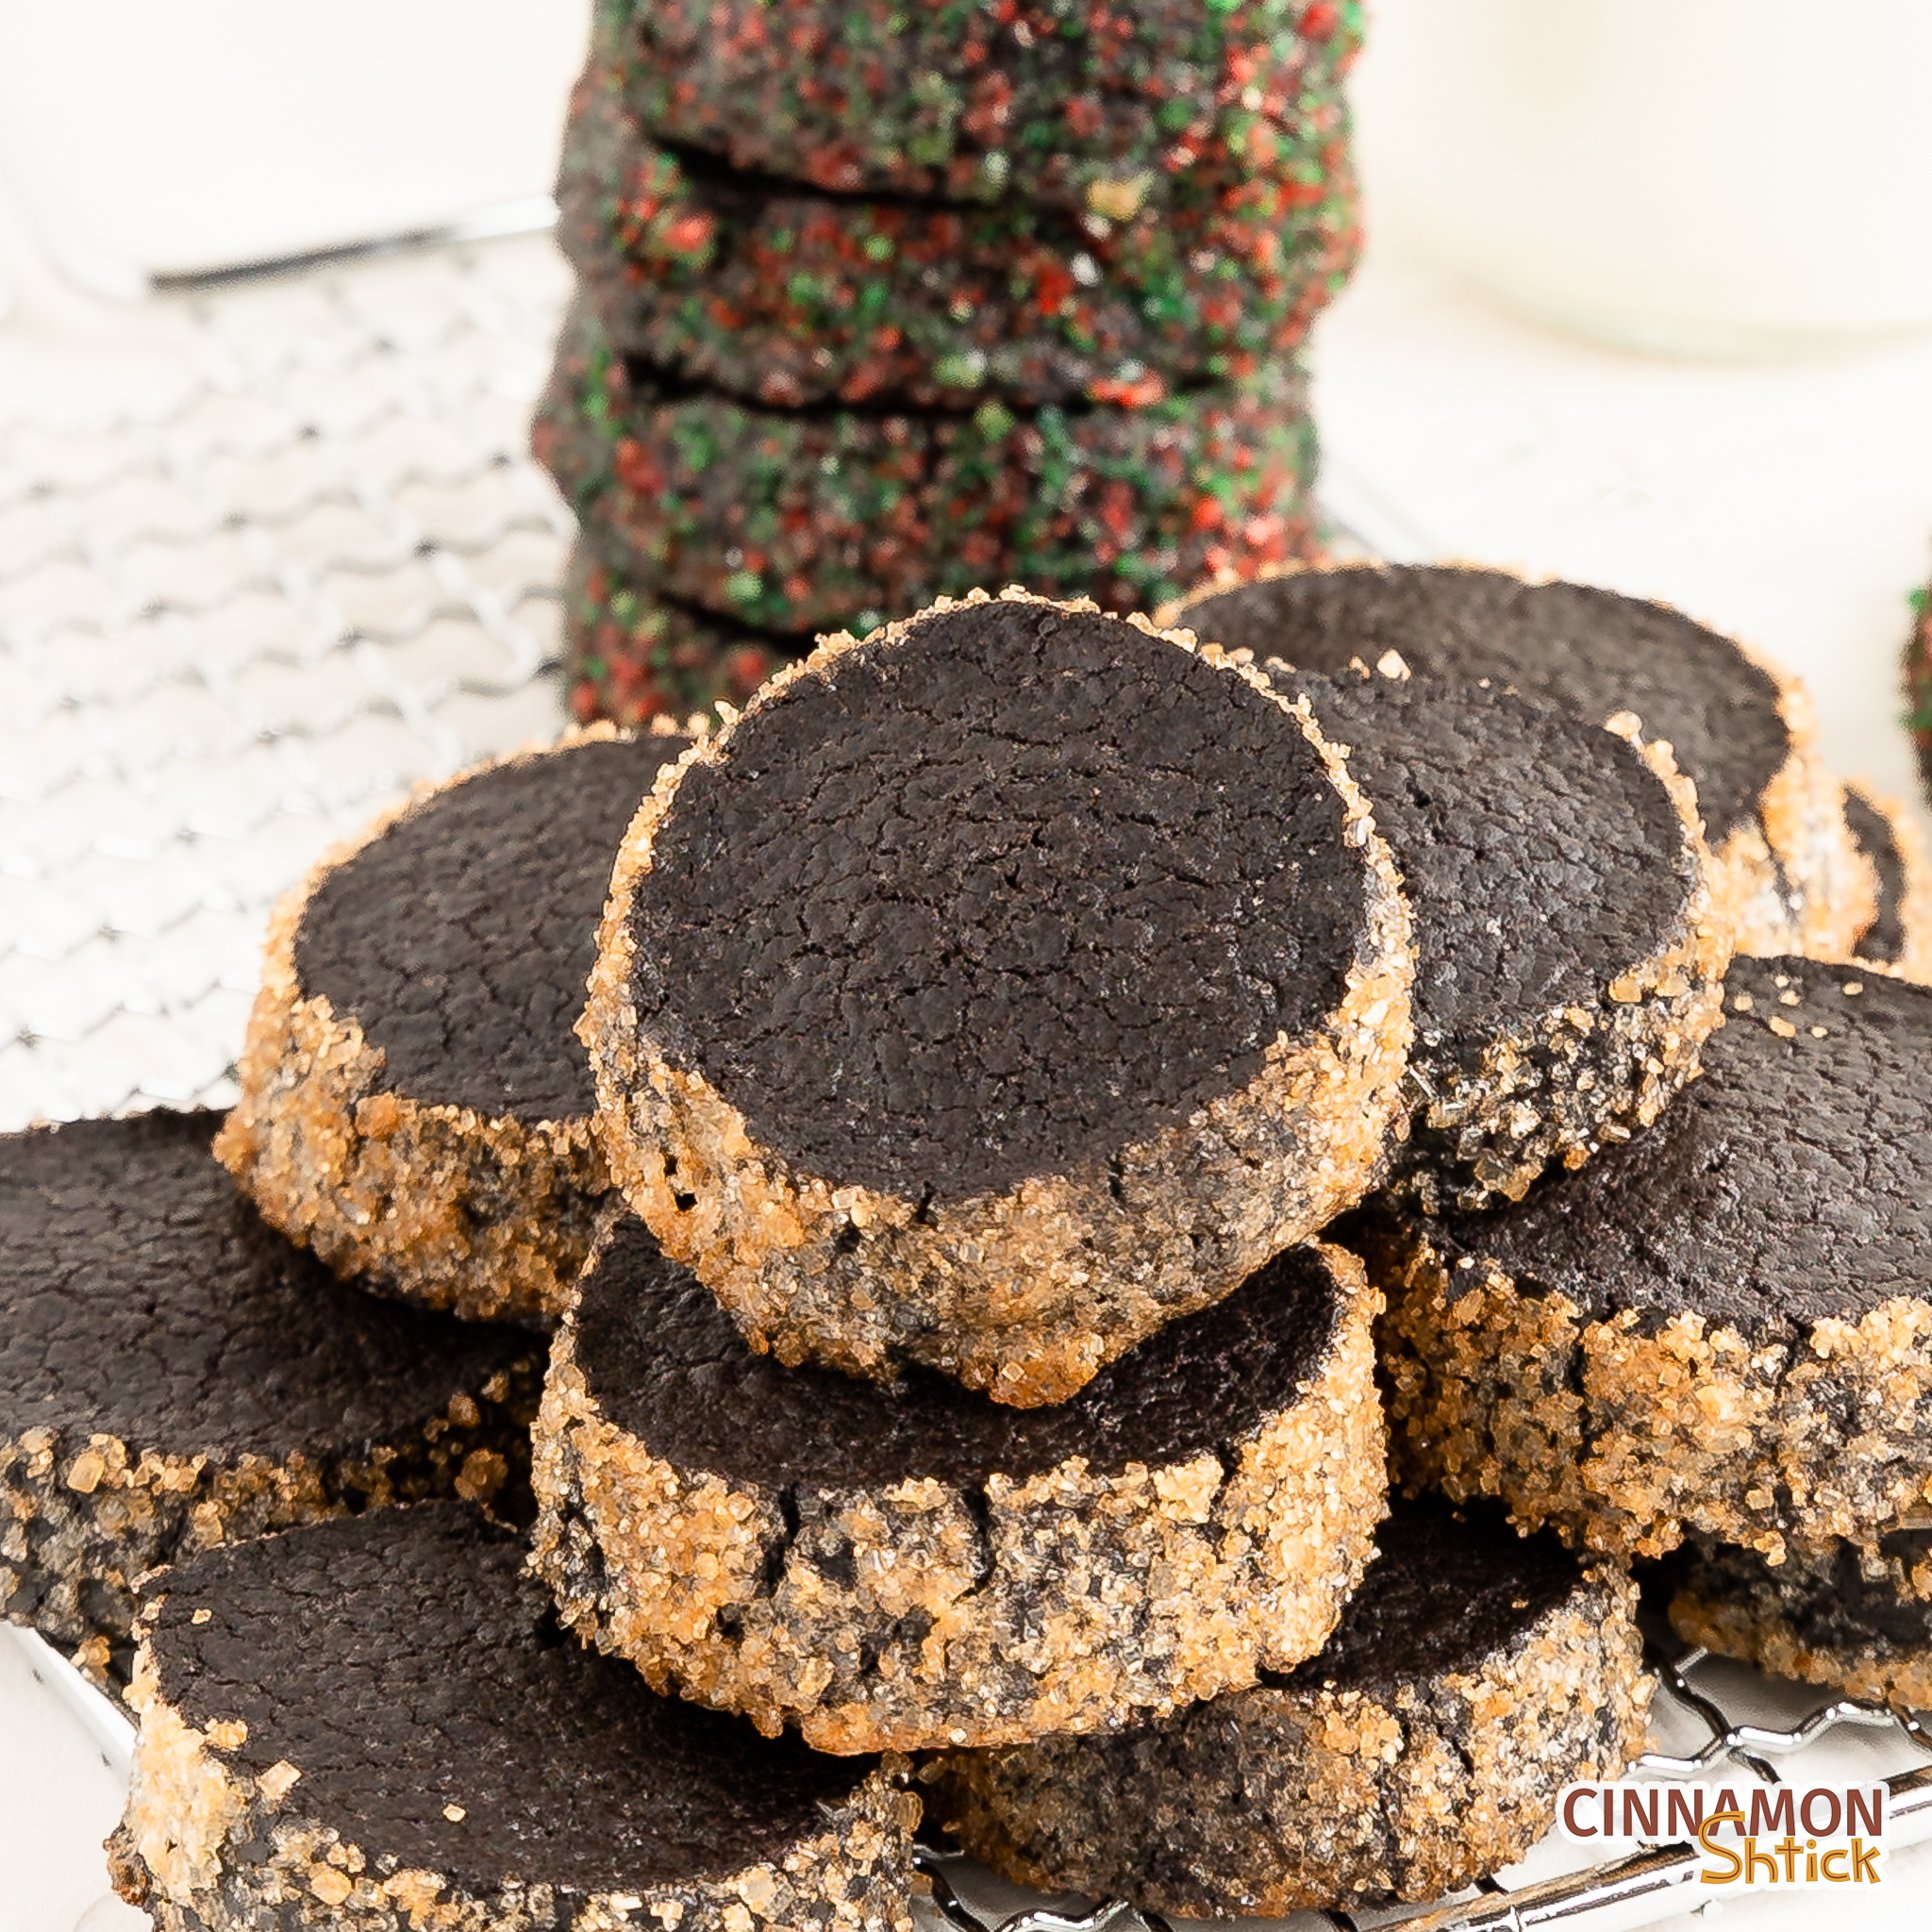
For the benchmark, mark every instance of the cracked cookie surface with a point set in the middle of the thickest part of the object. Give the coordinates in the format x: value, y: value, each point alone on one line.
x: 1473, y: 1674
x: 415, y: 1104
x: 995, y: 990
x: 1570, y: 951
x: 175, y: 1374
x: 380, y: 1729
x: 1724, y: 1325
x: 1739, y: 729
x: 913, y: 1565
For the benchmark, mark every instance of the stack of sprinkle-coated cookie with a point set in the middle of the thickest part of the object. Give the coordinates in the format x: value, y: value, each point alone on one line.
x: 880, y: 304
x: 986, y: 1126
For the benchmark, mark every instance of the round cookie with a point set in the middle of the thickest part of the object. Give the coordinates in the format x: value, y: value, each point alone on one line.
x: 786, y: 297
x: 995, y: 990
x: 1917, y: 686
x: 373, y: 1729
x: 1858, y: 1618
x: 1899, y: 940
x: 1740, y: 730
x: 633, y: 657
x: 801, y: 520
x: 1052, y: 101
x: 893, y: 1567
x: 1570, y: 953
x: 174, y: 1375
x: 1473, y: 1674
x: 1724, y: 1326
x: 414, y: 1103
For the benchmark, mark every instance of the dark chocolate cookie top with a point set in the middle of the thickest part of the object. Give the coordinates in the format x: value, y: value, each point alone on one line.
x: 666, y: 1365
x: 144, y: 1298
x: 1884, y: 940
x: 406, y: 1667
x: 1543, y: 858
x: 1022, y: 887
x: 462, y: 938
x: 1792, y: 1182
x: 1591, y: 649
x: 1452, y: 1585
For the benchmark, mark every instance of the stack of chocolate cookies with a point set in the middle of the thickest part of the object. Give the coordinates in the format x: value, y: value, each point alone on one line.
x: 356, y: 1714
x: 989, y: 1012
x: 1018, y: 1137
x: 984, y: 1030
x: 987, y: 1023
x: 1708, y: 1348
x: 879, y: 305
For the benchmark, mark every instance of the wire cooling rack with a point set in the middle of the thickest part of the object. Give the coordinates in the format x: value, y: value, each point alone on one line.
x: 237, y: 619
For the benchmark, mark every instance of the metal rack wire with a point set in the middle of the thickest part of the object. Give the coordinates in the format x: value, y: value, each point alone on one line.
x: 234, y: 622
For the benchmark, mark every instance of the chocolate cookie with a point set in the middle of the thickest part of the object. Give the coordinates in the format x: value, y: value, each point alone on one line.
x: 1899, y: 940
x: 1053, y: 100
x: 174, y: 1375
x: 1570, y: 953
x: 1473, y: 1675
x: 771, y: 292
x: 376, y: 1727
x: 633, y: 656
x: 804, y: 519
x: 1858, y: 1618
x: 1917, y: 686
x: 907, y: 1565
x: 1740, y: 730
x: 1724, y: 1326
x: 994, y: 991
x: 414, y: 1103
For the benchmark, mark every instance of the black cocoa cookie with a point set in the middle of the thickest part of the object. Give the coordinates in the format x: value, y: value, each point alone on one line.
x: 1740, y: 730
x: 634, y: 655
x: 1055, y: 101
x: 1859, y: 1619
x: 414, y: 1103
x: 909, y: 1565
x: 1899, y: 940
x: 1570, y: 953
x: 771, y: 292
x: 798, y: 519
x: 996, y: 989
x: 372, y: 1726
x: 1472, y: 1676
x: 174, y: 1375
x: 1723, y: 1325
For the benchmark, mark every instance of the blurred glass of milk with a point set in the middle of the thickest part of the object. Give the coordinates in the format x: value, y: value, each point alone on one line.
x: 1724, y: 177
